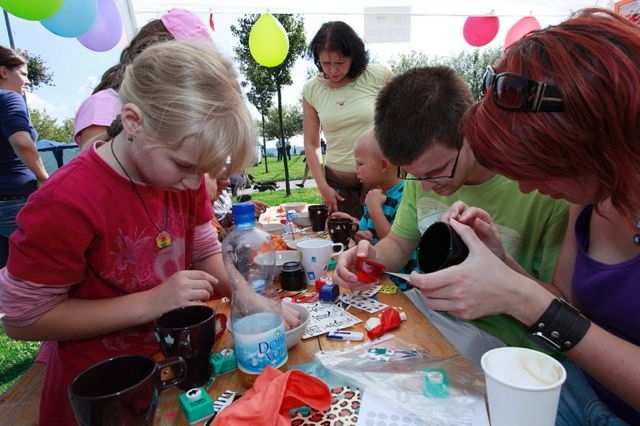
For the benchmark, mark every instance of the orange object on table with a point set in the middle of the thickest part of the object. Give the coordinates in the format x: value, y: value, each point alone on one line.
x: 273, y: 394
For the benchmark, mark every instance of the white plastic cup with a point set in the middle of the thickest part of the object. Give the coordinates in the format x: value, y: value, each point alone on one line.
x: 315, y: 256
x: 523, y: 386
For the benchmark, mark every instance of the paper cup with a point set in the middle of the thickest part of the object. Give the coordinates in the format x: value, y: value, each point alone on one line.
x: 315, y: 256
x: 523, y: 386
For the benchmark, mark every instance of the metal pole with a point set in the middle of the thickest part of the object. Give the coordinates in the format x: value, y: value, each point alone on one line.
x: 9, y: 33
x: 264, y: 145
x: 286, y: 166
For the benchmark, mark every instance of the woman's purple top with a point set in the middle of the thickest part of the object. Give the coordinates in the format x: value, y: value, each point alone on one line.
x: 609, y: 295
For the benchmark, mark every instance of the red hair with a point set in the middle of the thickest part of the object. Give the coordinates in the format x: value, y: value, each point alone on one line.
x: 594, y: 59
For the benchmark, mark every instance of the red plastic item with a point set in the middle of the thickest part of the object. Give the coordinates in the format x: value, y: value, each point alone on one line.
x: 389, y: 320
x: 368, y: 271
x: 319, y: 284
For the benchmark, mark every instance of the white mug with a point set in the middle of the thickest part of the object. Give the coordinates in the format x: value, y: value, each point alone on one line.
x: 315, y: 256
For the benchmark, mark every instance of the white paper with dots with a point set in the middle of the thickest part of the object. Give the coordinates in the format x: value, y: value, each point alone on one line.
x: 376, y: 411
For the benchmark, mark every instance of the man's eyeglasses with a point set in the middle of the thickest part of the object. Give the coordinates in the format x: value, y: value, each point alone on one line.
x: 404, y: 176
x: 513, y: 92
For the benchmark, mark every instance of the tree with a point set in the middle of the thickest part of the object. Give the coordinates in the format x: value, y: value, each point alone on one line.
x: 469, y: 65
x: 38, y: 72
x: 262, y: 82
x: 291, y: 119
x: 48, y: 127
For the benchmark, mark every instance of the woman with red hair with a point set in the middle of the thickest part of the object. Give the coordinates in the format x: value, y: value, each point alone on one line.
x: 561, y: 115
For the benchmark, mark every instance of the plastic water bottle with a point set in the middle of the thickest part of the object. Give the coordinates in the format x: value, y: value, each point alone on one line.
x: 256, y: 313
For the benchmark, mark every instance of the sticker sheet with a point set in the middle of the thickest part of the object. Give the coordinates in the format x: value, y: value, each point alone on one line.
x: 364, y: 300
x: 326, y: 317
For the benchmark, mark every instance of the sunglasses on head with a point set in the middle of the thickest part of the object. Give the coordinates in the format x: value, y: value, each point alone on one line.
x: 513, y: 92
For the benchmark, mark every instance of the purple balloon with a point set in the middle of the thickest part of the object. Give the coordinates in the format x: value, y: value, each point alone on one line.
x: 106, y: 30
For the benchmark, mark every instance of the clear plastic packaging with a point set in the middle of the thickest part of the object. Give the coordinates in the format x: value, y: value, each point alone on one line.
x: 440, y: 391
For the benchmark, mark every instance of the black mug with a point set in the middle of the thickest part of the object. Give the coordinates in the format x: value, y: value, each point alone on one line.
x: 440, y: 247
x: 190, y: 332
x: 318, y: 214
x: 292, y: 277
x: 120, y: 391
x: 341, y: 230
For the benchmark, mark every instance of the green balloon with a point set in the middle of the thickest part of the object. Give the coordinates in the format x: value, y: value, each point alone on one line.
x: 268, y: 41
x: 33, y: 10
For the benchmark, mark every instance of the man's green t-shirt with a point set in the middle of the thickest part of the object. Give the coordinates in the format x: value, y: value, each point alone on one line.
x: 531, y: 228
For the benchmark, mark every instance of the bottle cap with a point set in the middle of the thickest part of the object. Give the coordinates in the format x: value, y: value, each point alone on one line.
x: 244, y: 213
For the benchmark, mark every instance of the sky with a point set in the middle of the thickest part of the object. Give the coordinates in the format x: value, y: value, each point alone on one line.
x: 435, y: 29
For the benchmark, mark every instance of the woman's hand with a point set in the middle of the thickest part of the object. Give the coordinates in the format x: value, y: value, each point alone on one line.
x: 481, y: 223
x: 330, y: 197
x: 481, y: 285
x: 184, y: 288
x: 344, y: 276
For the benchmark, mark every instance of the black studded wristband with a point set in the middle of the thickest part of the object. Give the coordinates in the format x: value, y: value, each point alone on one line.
x: 560, y: 327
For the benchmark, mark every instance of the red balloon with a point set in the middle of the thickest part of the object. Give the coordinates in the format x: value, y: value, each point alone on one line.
x: 480, y: 30
x: 521, y: 28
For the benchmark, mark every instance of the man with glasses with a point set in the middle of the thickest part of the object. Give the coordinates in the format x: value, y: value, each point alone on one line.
x: 418, y: 126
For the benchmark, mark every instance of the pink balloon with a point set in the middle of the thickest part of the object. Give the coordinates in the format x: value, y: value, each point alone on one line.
x: 521, y: 28
x: 106, y: 30
x: 480, y: 30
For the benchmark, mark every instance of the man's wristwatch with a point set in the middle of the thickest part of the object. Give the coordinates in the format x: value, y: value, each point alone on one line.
x: 560, y: 327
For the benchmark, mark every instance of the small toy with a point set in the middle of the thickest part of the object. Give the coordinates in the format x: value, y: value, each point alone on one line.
x: 196, y: 405
x: 389, y: 319
x: 223, y: 362
x: 329, y: 292
x: 436, y: 383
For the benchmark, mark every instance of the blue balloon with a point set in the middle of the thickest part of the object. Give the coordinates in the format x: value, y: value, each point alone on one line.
x: 73, y: 19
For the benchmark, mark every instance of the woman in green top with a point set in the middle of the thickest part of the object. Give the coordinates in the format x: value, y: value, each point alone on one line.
x: 340, y: 101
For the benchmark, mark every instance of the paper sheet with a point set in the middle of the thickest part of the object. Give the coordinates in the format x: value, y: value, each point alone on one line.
x: 376, y: 411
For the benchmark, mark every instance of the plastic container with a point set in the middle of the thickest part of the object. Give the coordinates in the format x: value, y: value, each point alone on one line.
x: 256, y: 314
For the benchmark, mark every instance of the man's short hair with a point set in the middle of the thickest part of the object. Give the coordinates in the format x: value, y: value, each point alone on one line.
x: 419, y: 108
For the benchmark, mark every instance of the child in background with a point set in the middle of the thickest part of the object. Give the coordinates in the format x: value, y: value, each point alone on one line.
x: 382, y: 200
x: 222, y: 203
x: 122, y: 234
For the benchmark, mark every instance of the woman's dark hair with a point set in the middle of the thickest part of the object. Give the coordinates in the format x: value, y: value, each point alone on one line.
x: 336, y: 36
x: 153, y: 32
x: 10, y: 59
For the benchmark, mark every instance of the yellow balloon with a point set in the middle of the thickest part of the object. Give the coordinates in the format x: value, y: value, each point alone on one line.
x: 268, y: 41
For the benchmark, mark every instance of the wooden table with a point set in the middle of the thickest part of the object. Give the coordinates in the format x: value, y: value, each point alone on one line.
x: 416, y: 330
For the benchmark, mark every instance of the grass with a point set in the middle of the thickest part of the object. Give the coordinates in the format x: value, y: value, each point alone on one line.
x: 273, y: 198
x: 15, y: 358
x: 276, y: 169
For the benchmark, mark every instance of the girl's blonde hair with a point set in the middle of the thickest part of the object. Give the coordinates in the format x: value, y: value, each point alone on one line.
x: 188, y: 90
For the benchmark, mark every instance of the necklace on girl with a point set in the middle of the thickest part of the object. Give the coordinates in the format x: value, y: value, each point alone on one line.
x: 636, y: 236
x: 163, y: 237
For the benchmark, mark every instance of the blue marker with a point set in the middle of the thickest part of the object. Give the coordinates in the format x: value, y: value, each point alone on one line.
x: 345, y: 335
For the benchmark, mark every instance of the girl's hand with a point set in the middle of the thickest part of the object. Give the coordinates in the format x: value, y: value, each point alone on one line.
x: 331, y: 197
x: 481, y: 223
x: 481, y: 285
x: 184, y: 288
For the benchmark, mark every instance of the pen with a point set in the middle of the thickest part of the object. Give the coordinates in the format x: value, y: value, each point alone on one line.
x: 345, y: 335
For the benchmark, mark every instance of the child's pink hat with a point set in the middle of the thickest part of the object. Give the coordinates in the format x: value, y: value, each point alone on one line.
x: 184, y: 25
x: 99, y: 109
